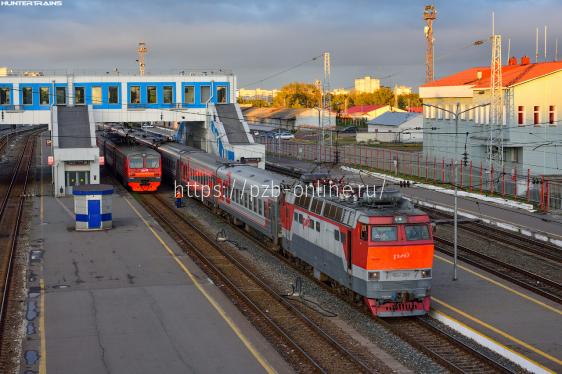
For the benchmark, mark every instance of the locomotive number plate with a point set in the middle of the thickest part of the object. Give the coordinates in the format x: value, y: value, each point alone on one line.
x: 400, y: 274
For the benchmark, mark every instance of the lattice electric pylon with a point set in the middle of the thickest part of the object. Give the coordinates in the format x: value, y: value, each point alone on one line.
x: 141, y: 51
x: 495, y: 142
x: 326, y: 96
x: 429, y: 15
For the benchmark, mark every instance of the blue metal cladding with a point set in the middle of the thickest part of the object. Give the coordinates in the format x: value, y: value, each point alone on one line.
x: 11, y: 103
x: 104, y: 94
x: 84, y: 217
x: 35, y: 88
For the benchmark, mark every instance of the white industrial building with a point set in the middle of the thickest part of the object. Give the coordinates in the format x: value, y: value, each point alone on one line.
x: 394, y: 127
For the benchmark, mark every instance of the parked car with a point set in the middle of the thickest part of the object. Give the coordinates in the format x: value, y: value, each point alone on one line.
x: 349, y: 130
x: 280, y: 134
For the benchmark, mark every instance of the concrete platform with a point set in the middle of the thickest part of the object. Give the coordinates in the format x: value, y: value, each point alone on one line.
x: 128, y: 300
x: 527, y: 326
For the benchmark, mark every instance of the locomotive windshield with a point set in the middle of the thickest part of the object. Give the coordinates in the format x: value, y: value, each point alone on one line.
x: 417, y: 232
x: 383, y: 233
x: 135, y: 162
x: 152, y: 162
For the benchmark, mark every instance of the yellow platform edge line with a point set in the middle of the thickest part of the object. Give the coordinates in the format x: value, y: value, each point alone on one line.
x: 263, y: 362
x: 496, y: 283
x: 43, y: 341
x: 498, y: 331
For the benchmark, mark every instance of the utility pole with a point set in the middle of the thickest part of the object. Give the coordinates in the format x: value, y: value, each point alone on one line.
x: 326, y: 99
x: 537, y: 47
x: 495, y: 141
x: 429, y: 15
x: 455, y: 233
x: 141, y: 51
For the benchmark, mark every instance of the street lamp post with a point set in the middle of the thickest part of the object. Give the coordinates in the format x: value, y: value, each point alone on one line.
x: 456, y: 114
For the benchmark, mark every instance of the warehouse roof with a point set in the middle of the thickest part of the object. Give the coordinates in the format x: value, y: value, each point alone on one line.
x: 393, y: 118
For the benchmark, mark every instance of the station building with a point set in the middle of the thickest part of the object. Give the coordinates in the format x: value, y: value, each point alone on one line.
x: 531, y: 131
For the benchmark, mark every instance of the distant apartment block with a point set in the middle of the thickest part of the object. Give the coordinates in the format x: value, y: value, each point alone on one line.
x: 257, y: 94
x: 340, y: 91
x: 367, y: 84
x: 402, y: 90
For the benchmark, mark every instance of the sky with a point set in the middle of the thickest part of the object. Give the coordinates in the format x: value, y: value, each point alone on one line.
x: 259, y: 38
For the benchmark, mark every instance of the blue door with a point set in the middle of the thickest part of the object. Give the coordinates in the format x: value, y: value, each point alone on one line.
x: 94, y: 216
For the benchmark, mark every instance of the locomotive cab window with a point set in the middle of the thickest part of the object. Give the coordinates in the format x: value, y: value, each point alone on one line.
x: 384, y: 233
x: 152, y: 162
x: 417, y: 232
x: 135, y: 162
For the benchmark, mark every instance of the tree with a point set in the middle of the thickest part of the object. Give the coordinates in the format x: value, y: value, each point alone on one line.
x: 409, y: 100
x: 298, y: 95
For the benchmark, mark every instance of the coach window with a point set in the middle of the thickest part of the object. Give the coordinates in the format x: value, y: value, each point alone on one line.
x: 135, y: 162
x: 134, y: 95
x: 221, y: 94
x: 364, y: 234
x: 4, y: 96
x: 189, y: 94
x: 79, y: 95
x: 337, y: 235
x: 168, y: 93
x: 261, y: 208
x: 61, y: 95
x: 300, y: 218
x: 44, y: 96
x: 152, y: 162
x: 27, y: 93
x: 296, y: 216
x: 342, y: 237
x: 205, y: 94
x: 151, y: 95
x: 113, y: 94
x: 318, y: 226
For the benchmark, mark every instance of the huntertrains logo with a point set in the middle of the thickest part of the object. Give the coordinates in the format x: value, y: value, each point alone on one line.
x: 29, y: 3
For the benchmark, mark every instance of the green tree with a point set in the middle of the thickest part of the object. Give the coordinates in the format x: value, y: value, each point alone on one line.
x: 254, y: 102
x: 298, y: 95
x: 409, y: 100
x: 340, y: 103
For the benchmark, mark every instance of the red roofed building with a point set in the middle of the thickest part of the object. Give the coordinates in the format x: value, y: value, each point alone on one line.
x: 369, y: 112
x: 531, y: 129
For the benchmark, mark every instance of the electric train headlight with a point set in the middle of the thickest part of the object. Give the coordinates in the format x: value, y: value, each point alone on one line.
x: 426, y: 273
x: 374, y: 275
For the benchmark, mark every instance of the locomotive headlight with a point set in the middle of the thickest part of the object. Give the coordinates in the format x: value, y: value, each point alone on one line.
x: 374, y: 275
x: 426, y: 273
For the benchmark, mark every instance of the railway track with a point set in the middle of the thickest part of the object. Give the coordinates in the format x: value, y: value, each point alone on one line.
x: 299, y: 339
x: 526, y: 279
x: 514, y: 240
x: 441, y: 346
x: 11, y: 209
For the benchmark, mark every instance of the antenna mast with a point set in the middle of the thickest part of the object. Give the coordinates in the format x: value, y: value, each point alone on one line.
x: 495, y: 143
x: 141, y: 51
x: 429, y: 15
x: 326, y: 99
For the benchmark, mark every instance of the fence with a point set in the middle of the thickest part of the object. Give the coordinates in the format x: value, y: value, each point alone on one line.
x: 515, y: 183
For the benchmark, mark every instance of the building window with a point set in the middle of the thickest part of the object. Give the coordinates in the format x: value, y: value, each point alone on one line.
x: 189, y: 94
x: 168, y: 93
x: 536, y: 117
x: 134, y: 95
x: 79, y: 95
x: 520, y: 115
x: 27, y: 93
x: 151, y: 94
x: 551, y: 111
x: 205, y: 94
x: 4, y: 96
x: 113, y: 94
x: 221, y: 94
x: 96, y: 95
x: 61, y: 95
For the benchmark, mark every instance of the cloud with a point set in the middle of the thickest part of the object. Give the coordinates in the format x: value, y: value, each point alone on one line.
x: 257, y: 38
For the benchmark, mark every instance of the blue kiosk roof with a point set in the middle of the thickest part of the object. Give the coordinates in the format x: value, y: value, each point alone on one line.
x: 93, y: 189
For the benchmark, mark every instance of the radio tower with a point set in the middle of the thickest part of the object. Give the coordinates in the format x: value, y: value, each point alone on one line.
x: 495, y: 143
x: 326, y: 97
x: 141, y: 50
x: 429, y: 15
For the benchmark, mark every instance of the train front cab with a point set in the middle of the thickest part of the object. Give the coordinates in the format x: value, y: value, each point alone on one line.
x: 395, y: 258
x: 144, y: 172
